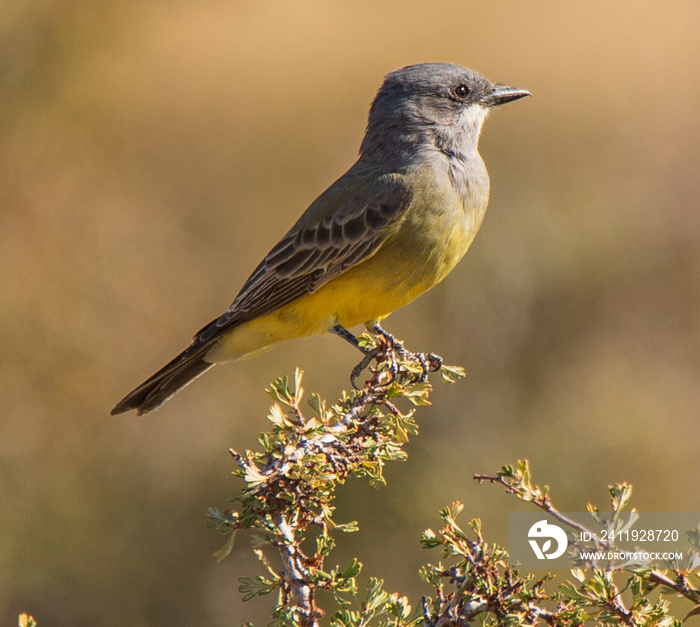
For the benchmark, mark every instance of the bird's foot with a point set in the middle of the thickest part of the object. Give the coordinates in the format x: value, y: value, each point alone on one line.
x: 429, y: 362
x: 391, y: 341
x: 390, y: 349
x: 370, y: 355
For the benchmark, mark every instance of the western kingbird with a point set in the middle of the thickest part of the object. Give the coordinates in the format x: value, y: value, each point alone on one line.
x: 393, y: 226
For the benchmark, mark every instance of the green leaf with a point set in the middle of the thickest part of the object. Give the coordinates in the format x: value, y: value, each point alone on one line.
x: 429, y: 539
x: 620, y: 493
x: 318, y: 405
x: 298, y: 390
x: 451, y: 374
x: 255, y: 587
x: 352, y: 570
x: 225, y: 550
x: 277, y: 416
x: 350, y: 527
x: 375, y: 595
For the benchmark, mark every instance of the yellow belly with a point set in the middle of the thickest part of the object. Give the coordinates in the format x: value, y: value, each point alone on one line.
x: 353, y: 298
x: 411, y: 261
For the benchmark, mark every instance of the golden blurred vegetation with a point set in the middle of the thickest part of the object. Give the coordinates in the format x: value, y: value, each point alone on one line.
x: 151, y: 153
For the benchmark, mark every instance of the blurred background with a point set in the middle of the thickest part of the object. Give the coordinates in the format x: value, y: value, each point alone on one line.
x: 152, y: 153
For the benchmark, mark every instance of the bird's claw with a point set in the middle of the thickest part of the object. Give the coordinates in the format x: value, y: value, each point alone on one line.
x: 391, y: 341
x: 429, y: 362
x: 370, y: 354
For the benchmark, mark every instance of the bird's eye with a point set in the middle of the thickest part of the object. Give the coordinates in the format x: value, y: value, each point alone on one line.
x: 461, y: 91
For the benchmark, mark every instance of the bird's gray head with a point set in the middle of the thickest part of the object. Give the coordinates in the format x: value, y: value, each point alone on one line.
x: 431, y: 106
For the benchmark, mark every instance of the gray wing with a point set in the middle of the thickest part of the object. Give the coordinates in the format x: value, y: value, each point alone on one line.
x: 311, y: 255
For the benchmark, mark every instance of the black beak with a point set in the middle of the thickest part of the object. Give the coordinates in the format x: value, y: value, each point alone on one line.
x: 501, y: 94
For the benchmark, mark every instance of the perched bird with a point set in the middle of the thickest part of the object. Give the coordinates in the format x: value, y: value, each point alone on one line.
x: 393, y: 226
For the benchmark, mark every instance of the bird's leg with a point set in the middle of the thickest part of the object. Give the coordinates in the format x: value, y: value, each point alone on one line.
x: 394, y: 345
x: 428, y: 361
x: 370, y: 353
x: 390, y: 339
x: 341, y: 331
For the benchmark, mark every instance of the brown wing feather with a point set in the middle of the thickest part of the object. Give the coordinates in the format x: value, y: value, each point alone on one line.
x: 313, y: 253
x: 309, y: 257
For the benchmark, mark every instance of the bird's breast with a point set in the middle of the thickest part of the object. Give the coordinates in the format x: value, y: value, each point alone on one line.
x: 446, y: 212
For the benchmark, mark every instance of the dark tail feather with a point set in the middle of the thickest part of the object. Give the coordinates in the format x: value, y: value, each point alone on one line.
x: 174, y: 376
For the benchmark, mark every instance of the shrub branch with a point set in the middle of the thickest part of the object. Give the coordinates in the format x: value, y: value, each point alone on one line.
x: 290, y: 484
